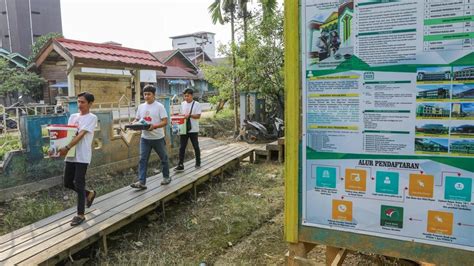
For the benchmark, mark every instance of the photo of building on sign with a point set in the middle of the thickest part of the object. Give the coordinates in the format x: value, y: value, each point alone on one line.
x: 429, y: 74
x: 433, y: 92
x: 431, y: 145
x: 438, y: 130
x: 463, y: 92
x: 432, y: 110
x: 463, y: 73
x: 464, y: 147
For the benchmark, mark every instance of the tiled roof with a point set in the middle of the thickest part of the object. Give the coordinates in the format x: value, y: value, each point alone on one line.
x: 176, y: 72
x: 163, y: 55
x: 110, y: 53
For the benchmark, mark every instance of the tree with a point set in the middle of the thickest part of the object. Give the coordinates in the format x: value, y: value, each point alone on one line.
x: 229, y: 8
x: 40, y: 42
x: 19, y: 80
x: 259, y: 63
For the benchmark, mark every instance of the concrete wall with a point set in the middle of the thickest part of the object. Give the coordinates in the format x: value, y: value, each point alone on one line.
x: 111, y: 151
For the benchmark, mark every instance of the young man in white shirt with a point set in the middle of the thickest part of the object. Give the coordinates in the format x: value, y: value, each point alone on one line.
x: 191, y: 110
x: 76, y: 166
x: 154, y: 114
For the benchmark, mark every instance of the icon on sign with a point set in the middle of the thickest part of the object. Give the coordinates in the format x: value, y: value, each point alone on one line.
x: 326, y: 174
x: 390, y: 212
x: 342, y: 208
x: 459, y: 186
x: 438, y: 219
x: 355, y: 177
x: 421, y: 184
x: 387, y: 180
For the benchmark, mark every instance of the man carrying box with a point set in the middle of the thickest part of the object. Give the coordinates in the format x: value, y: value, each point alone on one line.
x: 76, y: 165
x: 192, y: 113
x: 154, y: 115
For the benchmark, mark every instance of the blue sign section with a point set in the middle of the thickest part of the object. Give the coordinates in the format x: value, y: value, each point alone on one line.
x: 326, y: 177
x: 387, y: 182
x: 458, y: 188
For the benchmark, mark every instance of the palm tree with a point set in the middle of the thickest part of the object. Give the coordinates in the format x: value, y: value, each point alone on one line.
x: 230, y: 7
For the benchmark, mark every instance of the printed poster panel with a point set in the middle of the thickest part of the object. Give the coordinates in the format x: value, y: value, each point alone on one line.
x: 388, y: 97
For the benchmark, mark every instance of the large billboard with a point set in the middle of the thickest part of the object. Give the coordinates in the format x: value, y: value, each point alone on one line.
x: 388, y: 127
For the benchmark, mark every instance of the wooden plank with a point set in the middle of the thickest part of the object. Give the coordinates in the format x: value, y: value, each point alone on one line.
x: 139, y: 199
x: 69, y: 226
x: 67, y: 213
x: 37, y: 233
x: 64, y: 217
x: 108, y: 222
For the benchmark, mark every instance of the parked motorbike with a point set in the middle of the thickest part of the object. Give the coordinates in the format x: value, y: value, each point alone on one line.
x: 10, y: 123
x: 255, y: 131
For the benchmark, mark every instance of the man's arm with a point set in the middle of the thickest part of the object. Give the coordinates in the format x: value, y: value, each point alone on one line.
x: 163, y: 123
x: 63, y: 151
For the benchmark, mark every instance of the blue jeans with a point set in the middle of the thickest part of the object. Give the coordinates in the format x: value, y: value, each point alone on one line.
x: 159, y: 145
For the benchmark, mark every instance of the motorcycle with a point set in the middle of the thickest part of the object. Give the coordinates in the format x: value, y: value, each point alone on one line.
x: 254, y: 130
x: 10, y: 123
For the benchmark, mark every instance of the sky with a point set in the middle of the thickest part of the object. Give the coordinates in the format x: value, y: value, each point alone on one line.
x: 140, y: 24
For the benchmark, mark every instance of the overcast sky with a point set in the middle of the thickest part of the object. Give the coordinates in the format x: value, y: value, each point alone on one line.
x: 141, y: 24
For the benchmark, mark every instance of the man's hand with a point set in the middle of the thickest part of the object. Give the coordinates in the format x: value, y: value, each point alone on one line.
x: 186, y: 116
x: 63, y: 151
x: 151, y: 127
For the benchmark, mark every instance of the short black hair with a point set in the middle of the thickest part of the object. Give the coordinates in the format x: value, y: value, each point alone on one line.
x: 149, y: 88
x: 188, y: 91
x: 87, y: 95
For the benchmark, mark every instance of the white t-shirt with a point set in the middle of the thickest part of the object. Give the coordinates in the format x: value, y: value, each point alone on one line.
x: 88, y: 123
x: 186, y: 107
x: 152, y: 114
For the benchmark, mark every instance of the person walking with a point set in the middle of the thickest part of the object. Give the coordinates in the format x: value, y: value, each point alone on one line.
x: 76, y: 166
x: 191, y: 110
x: 154, y: 114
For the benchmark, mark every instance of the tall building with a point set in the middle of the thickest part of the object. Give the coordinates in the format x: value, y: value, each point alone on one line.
x: 22, y: 21
x: 197, y: 42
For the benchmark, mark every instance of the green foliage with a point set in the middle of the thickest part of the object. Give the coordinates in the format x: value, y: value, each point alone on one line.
x: 8, y: 143
x: 259, y: 62
x: 40, y: 42
x: 19, y: 80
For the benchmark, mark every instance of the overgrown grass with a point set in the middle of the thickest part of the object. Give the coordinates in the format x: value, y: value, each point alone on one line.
x: 219, y: 124
x: 196, y: 231
x: 8, y: 143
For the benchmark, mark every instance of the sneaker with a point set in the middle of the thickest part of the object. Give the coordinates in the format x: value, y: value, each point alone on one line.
x: 138, y: 185
x: 197, y: 166
x: 166, y: 181
x: 179, y: 168
x: 77, y: 220
x: 90, y: 198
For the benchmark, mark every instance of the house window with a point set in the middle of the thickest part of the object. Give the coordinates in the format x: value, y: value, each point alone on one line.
x: 4, y: 12
x: 35, y: 12
x: 182, y: 43
x: 36, y: 35
x: 7, y: 36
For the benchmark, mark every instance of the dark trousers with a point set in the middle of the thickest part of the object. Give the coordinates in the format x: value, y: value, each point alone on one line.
x: 75, y: 179
x: 183, y: 142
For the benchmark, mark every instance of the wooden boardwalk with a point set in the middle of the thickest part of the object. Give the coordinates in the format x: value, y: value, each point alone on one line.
x: 53, y: 239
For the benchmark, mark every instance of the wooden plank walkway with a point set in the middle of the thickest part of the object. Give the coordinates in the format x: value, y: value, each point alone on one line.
x: 53, y: 239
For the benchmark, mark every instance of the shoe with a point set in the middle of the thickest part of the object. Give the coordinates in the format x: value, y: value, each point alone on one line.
x: 166, y: 181
x: 138, y: 185
x: 77, y: 220
x: 179, y: 168
x: 90, y: 199
x: 197, y: 166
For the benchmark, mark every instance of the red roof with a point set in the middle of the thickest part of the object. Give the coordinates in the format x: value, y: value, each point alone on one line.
x: 176, y: 72
x: 163, y: 55
x: 110, y: 53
